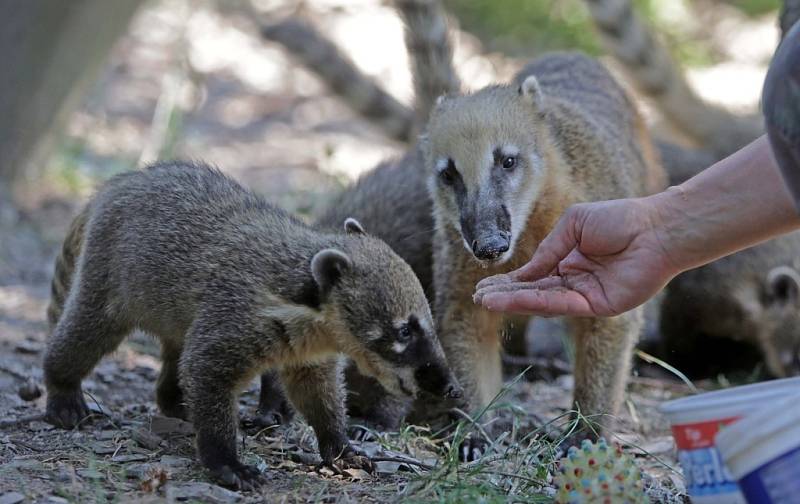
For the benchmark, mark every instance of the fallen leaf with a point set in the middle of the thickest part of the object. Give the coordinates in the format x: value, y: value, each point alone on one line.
x: 154, y: 479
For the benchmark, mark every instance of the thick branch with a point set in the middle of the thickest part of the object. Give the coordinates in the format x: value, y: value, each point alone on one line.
x: 322, y: 57
x: 654, y: 73
x: 430, y: 51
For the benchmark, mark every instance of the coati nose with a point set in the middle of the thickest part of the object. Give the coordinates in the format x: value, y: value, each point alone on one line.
x: 453, y: 391
x: 490, y: 247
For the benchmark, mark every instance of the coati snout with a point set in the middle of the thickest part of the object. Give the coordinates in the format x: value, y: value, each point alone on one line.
x: 486, y: 168
x: 393, y: 328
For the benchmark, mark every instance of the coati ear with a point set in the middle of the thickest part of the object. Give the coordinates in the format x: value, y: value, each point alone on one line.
x: 783, y: 283
x: 531, y: 91
x: 327, y: 268
x: 352, y: 226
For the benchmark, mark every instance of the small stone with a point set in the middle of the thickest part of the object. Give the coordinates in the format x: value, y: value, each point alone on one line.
x: 92, y: 474
x: 161, y: 425
x: 386, y: 467
x: 138, y: 471
x: 38, y: 426
x: 30, y: 391
x: 357, y: 474
x: 53, y: 499
x: 326, y: 471
x: 172, y: 462
x: 98, y: 409
x: 103, y: 448
x: 29, y: 347
x: 146, y: 438
x: 205, y: 492
x: 106, y: 435
x: 122, y: 459
x: 11, y: 498
x: 25, y: 464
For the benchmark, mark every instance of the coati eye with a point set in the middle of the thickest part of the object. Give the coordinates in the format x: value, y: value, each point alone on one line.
x: 448, y: 173
x: 403, y: 333
x: 509, y: 162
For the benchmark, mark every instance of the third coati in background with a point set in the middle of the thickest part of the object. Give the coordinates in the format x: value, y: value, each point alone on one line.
x: 503, y: 164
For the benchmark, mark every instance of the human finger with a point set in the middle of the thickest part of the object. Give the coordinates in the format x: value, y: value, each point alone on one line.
x: 549, y: 302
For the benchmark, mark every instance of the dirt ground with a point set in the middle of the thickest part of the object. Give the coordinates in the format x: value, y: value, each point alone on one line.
x: 183, y: 83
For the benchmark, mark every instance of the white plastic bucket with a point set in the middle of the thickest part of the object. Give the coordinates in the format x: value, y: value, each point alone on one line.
x: 762, y: 452
x: 695, y: 421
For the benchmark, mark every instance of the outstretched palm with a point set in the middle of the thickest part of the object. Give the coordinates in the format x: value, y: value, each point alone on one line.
x: 601, y: 259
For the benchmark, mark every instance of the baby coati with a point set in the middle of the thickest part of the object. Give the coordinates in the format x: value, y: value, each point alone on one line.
x: 748, y: 298
x: 504, y: 163
x: 231, y: 286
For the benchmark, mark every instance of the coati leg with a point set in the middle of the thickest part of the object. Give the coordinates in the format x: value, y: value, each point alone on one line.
x: 169, y: 395
x: 317, y: 392
x: 470, y: 336
x: 211, y: 373
x: 471, y: 340
x: 83, y: 335
x: 370, y: 406
x: 273, y: 407
x: 603, y: 349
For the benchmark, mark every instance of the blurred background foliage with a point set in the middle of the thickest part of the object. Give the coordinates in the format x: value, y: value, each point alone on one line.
x: 512, y: 26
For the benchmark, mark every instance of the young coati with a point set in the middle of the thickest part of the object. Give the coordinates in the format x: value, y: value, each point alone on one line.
x: 504, y: 163
x: 232, y: 285
x: 748, y: 299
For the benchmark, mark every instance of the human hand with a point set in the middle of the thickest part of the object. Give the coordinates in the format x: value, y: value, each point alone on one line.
x: 600, y: 259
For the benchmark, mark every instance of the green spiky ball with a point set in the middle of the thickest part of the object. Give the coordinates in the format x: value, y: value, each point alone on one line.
x: 598, y: 473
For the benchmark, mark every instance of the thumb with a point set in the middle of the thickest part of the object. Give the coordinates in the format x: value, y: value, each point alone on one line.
x: 555, y: 247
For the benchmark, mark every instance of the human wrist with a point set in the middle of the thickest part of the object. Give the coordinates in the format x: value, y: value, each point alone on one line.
x: 668, y: 222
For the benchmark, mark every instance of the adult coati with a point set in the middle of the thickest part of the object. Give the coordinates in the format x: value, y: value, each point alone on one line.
x: 503, y: 164
x: 231, y: 285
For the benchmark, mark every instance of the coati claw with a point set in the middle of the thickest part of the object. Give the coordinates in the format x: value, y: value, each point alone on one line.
x: 239, y: 477
x: 66, y: 410
x: 266, y: 419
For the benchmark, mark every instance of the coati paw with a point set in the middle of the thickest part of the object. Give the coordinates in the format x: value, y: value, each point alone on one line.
x: 239, y: 476
x: 353, y: 461
x: 350, y: 459
x: 472, y: 448
x: 265, y: 419
x: 66, y: 410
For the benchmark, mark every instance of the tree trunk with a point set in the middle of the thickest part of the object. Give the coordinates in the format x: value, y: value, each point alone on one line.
x: 50, y: 51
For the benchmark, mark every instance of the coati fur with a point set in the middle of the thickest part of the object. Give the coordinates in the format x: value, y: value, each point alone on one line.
x: 503, y: 164
x: 232, y: 285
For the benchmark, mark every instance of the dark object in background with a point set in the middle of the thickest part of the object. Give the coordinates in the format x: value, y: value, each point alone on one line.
x: 51, y: 50
x: 735, y: 312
